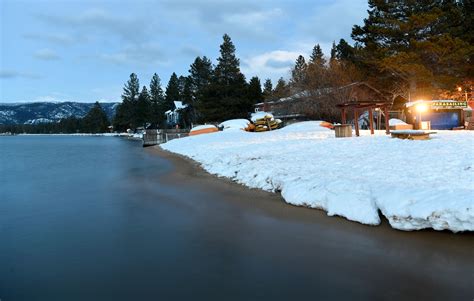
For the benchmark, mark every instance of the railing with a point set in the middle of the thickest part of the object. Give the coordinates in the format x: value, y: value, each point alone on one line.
x: 154, y: 137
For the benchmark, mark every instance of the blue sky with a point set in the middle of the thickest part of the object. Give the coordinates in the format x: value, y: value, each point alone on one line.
x: 85, y: 50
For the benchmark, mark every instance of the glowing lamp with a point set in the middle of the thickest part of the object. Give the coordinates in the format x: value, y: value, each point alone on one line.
x: 421, y: 108
x: 459, y: 89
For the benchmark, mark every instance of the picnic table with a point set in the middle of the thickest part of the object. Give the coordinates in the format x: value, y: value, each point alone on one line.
x: 412, y: 134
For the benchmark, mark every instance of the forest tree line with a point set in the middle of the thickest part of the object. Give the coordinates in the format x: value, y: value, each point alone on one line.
x: 95, y: 121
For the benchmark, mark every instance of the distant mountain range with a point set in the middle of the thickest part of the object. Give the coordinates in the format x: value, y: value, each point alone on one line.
x: 41, y: 112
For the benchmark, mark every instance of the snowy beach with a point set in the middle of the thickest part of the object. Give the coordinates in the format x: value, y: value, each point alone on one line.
x: 414, y: 184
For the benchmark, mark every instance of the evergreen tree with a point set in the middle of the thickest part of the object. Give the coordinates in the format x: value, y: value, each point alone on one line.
x: 172, y: 93
x: 298, y: 74
x: 317, y: 56
x: 187, y: 114
x: 333, y: 52
x: 414, y: 42
x: 344, y: 51
x: 281, y: 89
x: 131, y: 89
x: 255, y: 90
x: 95, y: 121
x: 125, y: 112
x: 200, y: 74
x: 226, y: 96
x: 157, y: 100
x: 143, y: 109
x: 267, y: 88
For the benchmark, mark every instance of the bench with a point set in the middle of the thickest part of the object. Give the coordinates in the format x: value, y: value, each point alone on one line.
x: 412, y: 134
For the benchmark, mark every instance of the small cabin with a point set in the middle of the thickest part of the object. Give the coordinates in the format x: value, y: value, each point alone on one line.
x: 173, y: 116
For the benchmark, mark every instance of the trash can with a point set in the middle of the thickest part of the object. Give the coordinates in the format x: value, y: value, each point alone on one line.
x: 343, y: 130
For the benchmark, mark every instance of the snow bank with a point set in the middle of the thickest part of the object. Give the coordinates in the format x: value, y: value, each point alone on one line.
x: 306, y: 126
x: 260, y: 115
x: 415, y: 184
x: 234, y: 124
x: 203, y: 127
x: 395, y: 121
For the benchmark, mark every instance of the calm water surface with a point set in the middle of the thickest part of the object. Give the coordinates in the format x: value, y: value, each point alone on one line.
x: 89, y: 218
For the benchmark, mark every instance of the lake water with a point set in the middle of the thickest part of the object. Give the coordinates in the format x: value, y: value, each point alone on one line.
x: 86, y: 218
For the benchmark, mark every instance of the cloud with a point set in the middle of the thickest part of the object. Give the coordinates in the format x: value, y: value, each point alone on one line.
x: 334, y: 20
x: 46, y: 54
x: 11, y: 74
x: 273, y: 64
x: 60, y: 39
x: 102, y: 22
x: 242, y: 19
x: 48, y: 98
x: 190, y: 51
x: 140, y: 54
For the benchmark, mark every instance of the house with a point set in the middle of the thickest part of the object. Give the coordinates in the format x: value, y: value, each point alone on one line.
x: 173, y: 116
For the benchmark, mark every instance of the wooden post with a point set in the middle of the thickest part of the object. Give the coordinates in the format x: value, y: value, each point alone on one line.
x: 379, y: 118
x: 371, y: 120
x: 387, y: 127
x: 356, y: 121
x: 343, y: 119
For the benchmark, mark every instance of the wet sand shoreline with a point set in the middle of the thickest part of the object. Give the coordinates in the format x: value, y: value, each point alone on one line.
x: 189, y: 171
x: 439, y: 260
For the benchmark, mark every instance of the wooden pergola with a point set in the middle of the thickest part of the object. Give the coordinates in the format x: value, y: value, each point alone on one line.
x: 359, y: 106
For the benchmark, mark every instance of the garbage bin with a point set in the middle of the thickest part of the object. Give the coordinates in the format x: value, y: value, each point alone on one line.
x: 343, y: 130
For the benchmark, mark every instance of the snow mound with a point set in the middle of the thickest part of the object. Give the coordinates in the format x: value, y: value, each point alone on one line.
x: 260, y: 115
x: 414, y: 184
x: 203, y: 127
x: 234, y: 124
x: 395, y: 121
x: 305, y: 126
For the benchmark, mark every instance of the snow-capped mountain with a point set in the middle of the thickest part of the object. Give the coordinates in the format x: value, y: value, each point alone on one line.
x: 41, y: 112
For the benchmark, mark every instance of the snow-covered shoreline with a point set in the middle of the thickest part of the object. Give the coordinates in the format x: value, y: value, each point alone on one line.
x: 415, y: 184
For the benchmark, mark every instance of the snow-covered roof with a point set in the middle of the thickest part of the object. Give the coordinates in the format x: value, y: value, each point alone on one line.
x: 414, y: 103
x: 179, y: 105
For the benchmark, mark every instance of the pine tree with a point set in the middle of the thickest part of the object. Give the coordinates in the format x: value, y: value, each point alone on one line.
x: 255, y: 90
x: 125, y: 112
x: 157, y: 100
x: 143, y: 109
x: 227, y: 70
x: 298, y: 74
x: 267, y: 88
x: 95, y: 121
x: 344, y: 51
x: 200, y: 74
x: 333, y: 52
x: 131, y: 89
x: 414, y: 42
x: 172, y: 93
x: 187, y: 114
x: 226, y: 96
x: 281, y: 89
x: 317, y: 56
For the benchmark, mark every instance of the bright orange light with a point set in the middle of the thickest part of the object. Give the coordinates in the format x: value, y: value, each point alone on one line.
x: 459, y: 89
x: 421, y: 108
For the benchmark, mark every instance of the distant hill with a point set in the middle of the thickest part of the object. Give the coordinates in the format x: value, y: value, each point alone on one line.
x: 41, y: 112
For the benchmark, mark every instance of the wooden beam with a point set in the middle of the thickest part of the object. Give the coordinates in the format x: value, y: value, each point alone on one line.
x: 371, y: 121
x: 356, y: 121
x: 387, y: 127
x: 343, y: 119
